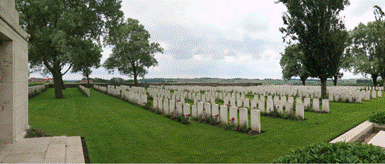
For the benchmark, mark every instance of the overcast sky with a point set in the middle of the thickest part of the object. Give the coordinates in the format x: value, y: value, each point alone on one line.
x: 218, y: 38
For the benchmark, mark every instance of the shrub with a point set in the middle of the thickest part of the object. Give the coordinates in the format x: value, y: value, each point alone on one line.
x: 340, y: 152
x: 33, y: 132
x: 378, y: 117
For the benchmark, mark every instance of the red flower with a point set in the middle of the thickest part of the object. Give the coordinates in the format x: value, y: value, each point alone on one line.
x: 232, y: 119
x: 217, y: 115
x: 225, y: 128
x: 175, y: 107
x: 204, y: 109
x: 162, y: 108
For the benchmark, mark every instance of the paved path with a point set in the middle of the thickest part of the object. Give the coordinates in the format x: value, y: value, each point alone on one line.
x: 58, y: 149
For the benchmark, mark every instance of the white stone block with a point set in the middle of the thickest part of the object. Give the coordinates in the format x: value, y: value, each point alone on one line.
x: 325, y: 105
x: 291, y: 99
x: 316, y: 104
x: 253, y: 105
x: 194, y: 111
x: 155, y: 102
x: 207, y: 109
x: 214, y: 109
x: 261, y: 105
x: 234, y: 114
x: 172, y: 107
x: 269, y: 106
x: 200, y: 109
x: 299, y: 110
x: 186, y: 109
x: 374, y: 95
x: 246, y: 103
x: 243, y: 118
x: 224, y: 114
x: 255, y: 120
x: 166, y: 109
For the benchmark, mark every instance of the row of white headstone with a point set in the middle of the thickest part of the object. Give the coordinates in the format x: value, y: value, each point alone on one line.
x: 134, y: 96
x: 172, y: 107
x: 251, y: 104
x: 100, y: 88
x: 303, y: 91
x: 86, y: 90
x: 36, y: 88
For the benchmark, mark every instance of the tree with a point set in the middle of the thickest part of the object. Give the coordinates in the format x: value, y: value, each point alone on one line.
x: 291, y: 64
x: 318, y: 30
x: 88, y: 55
x: 132, y: 52
x: 57, y: 26
x: 346, y: 58
x: 363, y: 52
x: 379, y: 39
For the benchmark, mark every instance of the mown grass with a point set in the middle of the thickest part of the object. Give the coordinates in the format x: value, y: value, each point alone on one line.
x: 118, y: 132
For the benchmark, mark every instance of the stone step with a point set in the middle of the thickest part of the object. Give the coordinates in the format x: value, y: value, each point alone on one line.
x: 378, y: 139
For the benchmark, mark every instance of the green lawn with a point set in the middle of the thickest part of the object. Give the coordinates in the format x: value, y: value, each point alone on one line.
x: 118, y: 132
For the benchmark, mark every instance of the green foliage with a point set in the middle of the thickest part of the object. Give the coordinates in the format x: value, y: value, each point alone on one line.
x: 61, y: 31
x: 33, y: 133
x: 321, y: 35
x: 378, y: 117
x: 132, y: 51
x: 291, y: 63
x: 340, y: 152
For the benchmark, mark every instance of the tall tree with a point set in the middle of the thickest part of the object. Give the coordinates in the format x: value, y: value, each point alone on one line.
x: 379, y: 40
x: 88, y: 55
x: 318, y: 30
x: 291, y: 63
x: 346, y: 59
x: 363, y: 51
x: 132, y: 51
x: 57, y: 26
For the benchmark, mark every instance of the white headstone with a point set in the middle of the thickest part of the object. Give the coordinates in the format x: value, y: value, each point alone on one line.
x: 172, y: 107
x: 255, y: 120
x: 179, y: 108
x: 253, y: 104
x: 307, y: 102
x: 186, y: 109
x: 214, y: 109
x: 374, y: 95
x: 155, y: 102
x: 243, y: 118
x: 246, y: 103
x: 291, y: 99
x: 224, y: 115
x: 261, y: 105
x: 194, y: 111
x: 207, y: 109
x: 269, y: 106
x: 325, y: 105
x: 165, y: 106
x: 299, y: 110
x: 316, y: 104
x: 234, y: 114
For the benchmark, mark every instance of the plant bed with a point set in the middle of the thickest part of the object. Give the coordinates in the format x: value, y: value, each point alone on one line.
x: 284, y: 115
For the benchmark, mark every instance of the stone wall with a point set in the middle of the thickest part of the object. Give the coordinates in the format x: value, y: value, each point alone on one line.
x: 13, y: 74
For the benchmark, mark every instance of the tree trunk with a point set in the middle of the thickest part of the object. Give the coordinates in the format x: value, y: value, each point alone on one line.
x: 374, y: 77
x: 136, y: 79
x: 62, y: 83
x: 57, y: 83
x: 88, y: 81
x: 323, y: 88
x: 335, y: 80
x: 303, y: 79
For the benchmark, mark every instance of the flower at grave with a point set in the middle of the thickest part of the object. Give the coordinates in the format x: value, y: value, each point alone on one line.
x: 204, y: 109
x: 225, y: 128
x: 189, y: 114
x: 216, y: 115
x: 232, y: 119
x: 175, y: 107
x: 162, y: 109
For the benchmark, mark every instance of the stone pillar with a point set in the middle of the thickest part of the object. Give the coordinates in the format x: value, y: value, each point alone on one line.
x: 13, y: 75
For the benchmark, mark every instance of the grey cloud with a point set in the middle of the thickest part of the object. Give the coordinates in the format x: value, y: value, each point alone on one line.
x: 184, y: 42
x: 366, y: 6
x: 253, y: 24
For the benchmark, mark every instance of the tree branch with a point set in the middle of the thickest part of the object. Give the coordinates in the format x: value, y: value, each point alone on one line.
x: 68, y: 69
